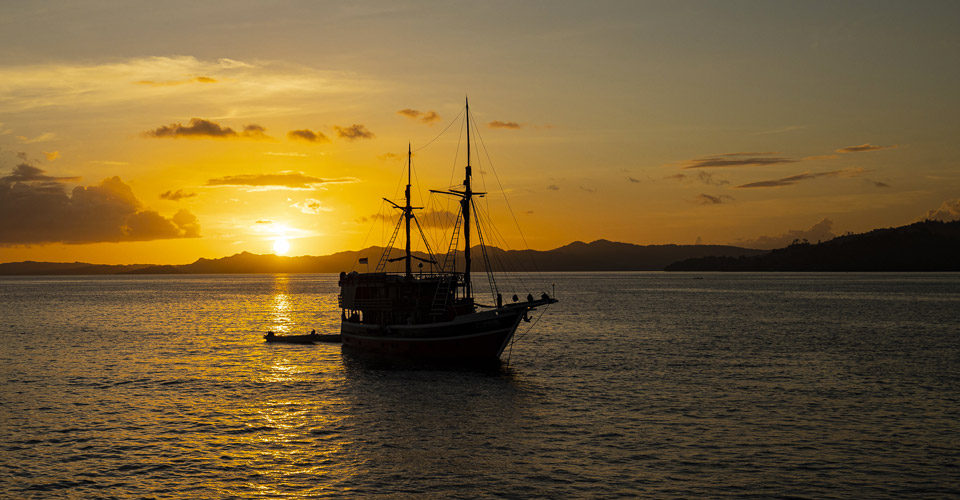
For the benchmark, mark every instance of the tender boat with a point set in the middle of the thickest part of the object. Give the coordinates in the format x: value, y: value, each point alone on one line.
x: 293, y: 339
x: 431, y: 315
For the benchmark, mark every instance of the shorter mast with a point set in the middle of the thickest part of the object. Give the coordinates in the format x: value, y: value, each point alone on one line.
x: 408, y: 214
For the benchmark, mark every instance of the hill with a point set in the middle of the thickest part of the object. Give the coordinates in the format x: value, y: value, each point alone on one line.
x: 600, y: 255
x: 922, y: 246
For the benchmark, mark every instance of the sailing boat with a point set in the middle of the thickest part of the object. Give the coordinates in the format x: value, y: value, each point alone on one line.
x: 429, y: 315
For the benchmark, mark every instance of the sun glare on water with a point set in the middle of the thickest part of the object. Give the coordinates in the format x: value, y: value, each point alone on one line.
x: 281, y: 246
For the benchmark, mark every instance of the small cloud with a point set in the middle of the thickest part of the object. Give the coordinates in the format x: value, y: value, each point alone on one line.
x: 706, y: 199
x: 821, y: 231
x: 635, y: 181
x: 25, y: 172
x: 948, y: 211
x: 879, y: 184
x: 389, y: 157
x: 264, y: 222
x: 507, y: 125
x: 424, y: 116
x: 353, y: 132
x: 253, y: 131
x: 793, y: 179
x: 44, y: 137
x: 529, y: 212
x: 863, y: 147
x: 52, y: 155
x: 704, y: 177
x: 294, y: 155
x: 110, y: 163
x: 589, y: 190
x: 679, y: 177
x: 282, y: 180
x: 737, y: 160
x: 176, y: 195
x: 200, y: 128
x: 171, y: 83
x: 308, y: 135
x: 553, y: 187
x: 311, y: 206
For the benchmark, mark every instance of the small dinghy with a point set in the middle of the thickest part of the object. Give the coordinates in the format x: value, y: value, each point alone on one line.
x: 293, y: 339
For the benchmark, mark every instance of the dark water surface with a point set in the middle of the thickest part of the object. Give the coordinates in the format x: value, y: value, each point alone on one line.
x: 636, y: 384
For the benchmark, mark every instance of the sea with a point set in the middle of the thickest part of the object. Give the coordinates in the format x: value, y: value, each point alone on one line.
x: 634, y: 385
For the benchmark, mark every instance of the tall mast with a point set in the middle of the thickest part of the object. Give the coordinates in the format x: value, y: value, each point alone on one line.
x: 465, y: 208
x: 408, y: 212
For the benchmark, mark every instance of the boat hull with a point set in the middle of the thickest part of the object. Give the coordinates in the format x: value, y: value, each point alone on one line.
x: 477, y: 337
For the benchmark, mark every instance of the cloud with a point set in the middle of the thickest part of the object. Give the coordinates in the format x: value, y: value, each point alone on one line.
x: 293, y: 155
x: 793, y: 179
x: 200, y: 128
x: 353, y: 132
x: 821, y: 231
x: 389, y: 157
x: 706, y: 199
x: 170, y: 83
x: 112, y: 85
x: 282, y: 180
x: 424, y: 116
x: 264, y: 222
x: 44, y: 137
x: 308, y: 135
x: 863, y: 147
x: 737, y: 160
x: 635, y: 181
x: 176, y: 195
x: 107, y: 212
x: 311, y: 206
x: 879, y: 184
x: 589, y: 190
x: 704, y: 177
x: 553, y: 187
x: 507, y: 125
x: 948, y: 211
x: 52, y: 155
x: 28, y: 173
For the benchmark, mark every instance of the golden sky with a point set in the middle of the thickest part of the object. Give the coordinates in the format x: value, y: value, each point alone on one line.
x: 145, y: 132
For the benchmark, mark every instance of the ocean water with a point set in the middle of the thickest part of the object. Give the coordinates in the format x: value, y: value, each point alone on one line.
x: 635, y: 385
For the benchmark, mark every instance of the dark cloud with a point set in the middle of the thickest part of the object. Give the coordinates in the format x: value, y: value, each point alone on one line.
x: 282, y: 180
x: 424, y: 116
x: 737, y: 160
x: 200, y: 128
x: 176, y: 195
x: 500, y: 124
x: 553, y: 187
x: 821, y: 231
x: 948, y: 211
x: 308, y: 135
x: 793, y: 179
x: 635, y: 181
x: 879, y: 184
x: 704, y: 177
x: 863, y: 147
x: 706, y: 199
x: 589, y: 190
x: 353, y: 132
x: 107, y: 212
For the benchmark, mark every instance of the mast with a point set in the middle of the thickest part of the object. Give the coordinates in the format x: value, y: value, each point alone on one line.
x: 408, y: 213
x: 465, y: 208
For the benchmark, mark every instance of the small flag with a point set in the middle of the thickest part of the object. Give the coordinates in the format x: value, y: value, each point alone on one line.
x: 364, y: 260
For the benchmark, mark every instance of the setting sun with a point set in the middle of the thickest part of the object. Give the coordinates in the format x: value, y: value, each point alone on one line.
x: 281, y: 246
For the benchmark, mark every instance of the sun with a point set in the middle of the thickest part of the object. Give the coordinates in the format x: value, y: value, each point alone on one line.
x: 281, y: 246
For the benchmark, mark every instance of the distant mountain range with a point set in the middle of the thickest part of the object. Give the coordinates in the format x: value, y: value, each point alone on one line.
x: 922, y: 246
x: 600, y: 255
